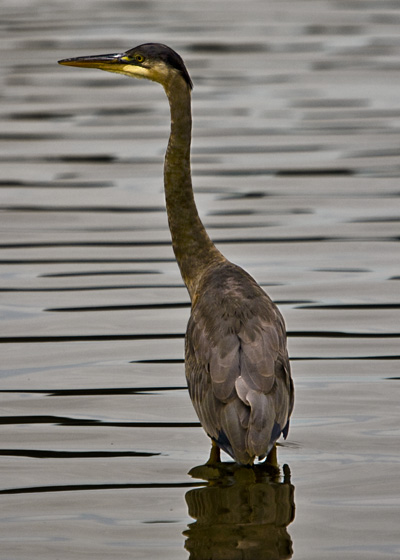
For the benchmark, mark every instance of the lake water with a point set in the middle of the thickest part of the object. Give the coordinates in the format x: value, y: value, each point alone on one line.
x: 296, y: 165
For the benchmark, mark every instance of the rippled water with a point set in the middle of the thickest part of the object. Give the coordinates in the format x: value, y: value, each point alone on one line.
x: 296, y: 169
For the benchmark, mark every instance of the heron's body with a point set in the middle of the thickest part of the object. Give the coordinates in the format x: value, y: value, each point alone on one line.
x: 237, y: 365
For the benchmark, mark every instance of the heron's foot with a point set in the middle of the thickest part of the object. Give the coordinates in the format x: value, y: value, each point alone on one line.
x: 215, y: 454
x: 272, y: 457
x: 214, y: 469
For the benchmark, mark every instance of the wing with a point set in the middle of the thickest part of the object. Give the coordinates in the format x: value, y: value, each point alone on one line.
x: 238, y: 370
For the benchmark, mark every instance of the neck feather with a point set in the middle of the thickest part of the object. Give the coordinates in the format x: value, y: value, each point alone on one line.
x: 194, y: 250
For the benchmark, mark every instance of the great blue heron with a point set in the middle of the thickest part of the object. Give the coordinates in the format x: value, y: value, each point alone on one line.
x: 237, y: 365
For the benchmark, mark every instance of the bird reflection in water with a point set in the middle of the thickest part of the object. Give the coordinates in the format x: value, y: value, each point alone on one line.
x: 242, y: 513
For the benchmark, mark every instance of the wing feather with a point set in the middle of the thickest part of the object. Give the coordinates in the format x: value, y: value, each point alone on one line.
x: 237, y: 367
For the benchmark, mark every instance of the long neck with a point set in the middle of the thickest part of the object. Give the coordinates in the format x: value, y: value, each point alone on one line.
x: 194, y: 250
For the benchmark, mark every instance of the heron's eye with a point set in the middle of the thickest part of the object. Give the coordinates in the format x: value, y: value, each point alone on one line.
x: 139, y: 58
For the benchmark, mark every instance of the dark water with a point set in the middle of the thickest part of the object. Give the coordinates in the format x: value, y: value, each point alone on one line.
x: 296, y: 170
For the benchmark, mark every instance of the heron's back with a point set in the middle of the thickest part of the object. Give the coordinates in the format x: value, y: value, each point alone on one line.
x: 237, y: 365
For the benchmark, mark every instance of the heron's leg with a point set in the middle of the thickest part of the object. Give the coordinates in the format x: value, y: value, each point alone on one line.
x: 215, y: 454
x: 272, y: 457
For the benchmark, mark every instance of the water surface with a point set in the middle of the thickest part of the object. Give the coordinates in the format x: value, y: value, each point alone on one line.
x: 296, y: 171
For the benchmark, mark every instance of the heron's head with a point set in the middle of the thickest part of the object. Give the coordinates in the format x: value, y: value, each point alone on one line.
x: 152, y: 61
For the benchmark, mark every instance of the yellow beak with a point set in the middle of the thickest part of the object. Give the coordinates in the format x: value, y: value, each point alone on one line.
x: 110, y: 62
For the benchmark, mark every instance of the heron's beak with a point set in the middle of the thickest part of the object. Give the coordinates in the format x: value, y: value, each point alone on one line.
x: 110, y: 62
x: 118, y: 63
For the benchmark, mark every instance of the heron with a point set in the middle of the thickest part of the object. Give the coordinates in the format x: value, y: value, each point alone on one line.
x: 236, y: 359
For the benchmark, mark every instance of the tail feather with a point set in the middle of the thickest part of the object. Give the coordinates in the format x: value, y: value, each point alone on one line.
x: 234, y: 418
